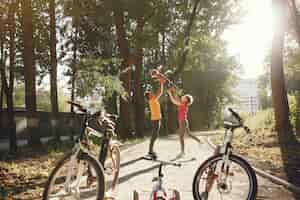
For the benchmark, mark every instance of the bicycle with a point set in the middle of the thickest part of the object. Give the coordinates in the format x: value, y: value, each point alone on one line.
x: 216, y: 177
x: 79, y: 174
x: 159, y: 192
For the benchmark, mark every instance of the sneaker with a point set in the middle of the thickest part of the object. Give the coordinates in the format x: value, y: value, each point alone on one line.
x: 152, y: 155
x: 181, y: 154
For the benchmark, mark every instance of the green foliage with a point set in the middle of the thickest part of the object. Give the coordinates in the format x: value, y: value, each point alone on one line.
x: 92, y: 77
x: 263, y: 120
x: 294, y: 103
x: 209, y: 77
x: 265, y: 100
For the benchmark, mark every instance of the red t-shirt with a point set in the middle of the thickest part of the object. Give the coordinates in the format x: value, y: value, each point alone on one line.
x: 182, y: 112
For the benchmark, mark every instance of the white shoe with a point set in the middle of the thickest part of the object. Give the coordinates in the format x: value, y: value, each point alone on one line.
x: 182, y: 154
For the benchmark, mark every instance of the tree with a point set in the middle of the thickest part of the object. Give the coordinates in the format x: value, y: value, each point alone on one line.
x: 123, y: 45
x: 28, y: 56
x: 263, y: 87
x: 8, y: 83
x: 279, y: 94
x: 53, y: 70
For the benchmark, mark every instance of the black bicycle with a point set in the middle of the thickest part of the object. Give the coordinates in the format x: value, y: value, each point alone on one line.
x: 79, y: 174
x: 225, y: 175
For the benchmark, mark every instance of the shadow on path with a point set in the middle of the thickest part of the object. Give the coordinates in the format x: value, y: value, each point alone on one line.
x: 130, y: 162
x: 136, y: 173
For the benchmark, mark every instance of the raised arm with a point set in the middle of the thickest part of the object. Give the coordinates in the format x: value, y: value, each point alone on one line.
x: 173, y: 99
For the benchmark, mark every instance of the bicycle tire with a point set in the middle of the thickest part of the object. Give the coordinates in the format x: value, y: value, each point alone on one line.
x: 91, y: 162
x: 233, y: 158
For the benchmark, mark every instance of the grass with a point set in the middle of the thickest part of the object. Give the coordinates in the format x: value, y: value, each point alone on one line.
x: 264, y: 150
x: 23, y: 175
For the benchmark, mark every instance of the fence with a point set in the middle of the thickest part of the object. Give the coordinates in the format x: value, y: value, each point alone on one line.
x: 44, y: 124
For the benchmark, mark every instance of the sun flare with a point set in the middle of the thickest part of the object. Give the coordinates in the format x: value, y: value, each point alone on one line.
x: 250, y: 40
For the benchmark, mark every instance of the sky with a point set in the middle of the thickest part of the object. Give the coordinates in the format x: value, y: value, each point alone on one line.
x: 250, y: 40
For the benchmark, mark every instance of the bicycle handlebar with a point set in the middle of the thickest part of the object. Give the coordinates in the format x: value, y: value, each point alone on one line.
x: 80, y: 107
x: 236, y: 115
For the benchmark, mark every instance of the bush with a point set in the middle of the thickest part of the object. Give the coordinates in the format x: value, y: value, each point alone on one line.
x: 263, y: 119
x: 294, y: 103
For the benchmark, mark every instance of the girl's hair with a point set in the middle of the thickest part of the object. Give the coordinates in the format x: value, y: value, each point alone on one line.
x: 190, y: 99
x: 147, y: 94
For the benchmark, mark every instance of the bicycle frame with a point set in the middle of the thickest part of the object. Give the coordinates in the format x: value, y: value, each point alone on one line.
x: 80, y: 147
x: 86, y: 130
x: 225, y: 150
x: 159, y: 185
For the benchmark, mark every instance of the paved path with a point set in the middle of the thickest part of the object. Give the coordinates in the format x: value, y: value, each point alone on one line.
x: 137, y: 174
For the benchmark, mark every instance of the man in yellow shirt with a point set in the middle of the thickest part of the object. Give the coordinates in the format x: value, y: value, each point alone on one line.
x: 153, y: 100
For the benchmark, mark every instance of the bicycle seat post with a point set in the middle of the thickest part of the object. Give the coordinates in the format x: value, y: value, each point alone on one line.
x: 160, y: 174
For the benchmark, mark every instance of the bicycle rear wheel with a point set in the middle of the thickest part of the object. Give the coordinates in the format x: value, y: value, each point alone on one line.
x: 71, y: 179
x: 212, y: 181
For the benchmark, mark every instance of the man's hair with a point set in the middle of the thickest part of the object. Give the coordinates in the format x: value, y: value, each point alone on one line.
x: 189, y: 98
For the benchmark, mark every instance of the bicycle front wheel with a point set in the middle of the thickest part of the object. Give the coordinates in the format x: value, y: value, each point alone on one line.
x: 213, y: 181
x: 76, y: 177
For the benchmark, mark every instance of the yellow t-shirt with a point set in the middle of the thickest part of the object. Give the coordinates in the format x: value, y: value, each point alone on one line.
x: 155, y: 108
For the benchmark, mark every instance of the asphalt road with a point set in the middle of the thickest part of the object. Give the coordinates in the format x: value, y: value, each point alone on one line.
x: 137, y: 174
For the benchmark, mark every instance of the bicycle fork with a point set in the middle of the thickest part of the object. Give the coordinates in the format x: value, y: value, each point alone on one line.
x: 74, y: 158
x: 223, y: 168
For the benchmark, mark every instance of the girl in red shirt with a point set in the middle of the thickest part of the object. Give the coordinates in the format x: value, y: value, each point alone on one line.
x: 183, y: 104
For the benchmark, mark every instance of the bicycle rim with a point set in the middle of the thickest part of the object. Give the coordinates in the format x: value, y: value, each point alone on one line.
x: 239, y: 180
x: 75, y: 178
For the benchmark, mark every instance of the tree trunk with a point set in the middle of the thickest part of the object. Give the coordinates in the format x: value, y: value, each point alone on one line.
x: 172, y: 117
x: 1, y: 98
x: 1, y: 61
x: 163, y: 48
x: 74, y: 62
x: 28, y: 56
x: 9, y: 95
x: 53, y: 70
x: 9, y: 86
x: 279, y: 94
x: 125, y: 116
x: 138, y: 90
x: 186, y: 37
x: 29, y: 70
